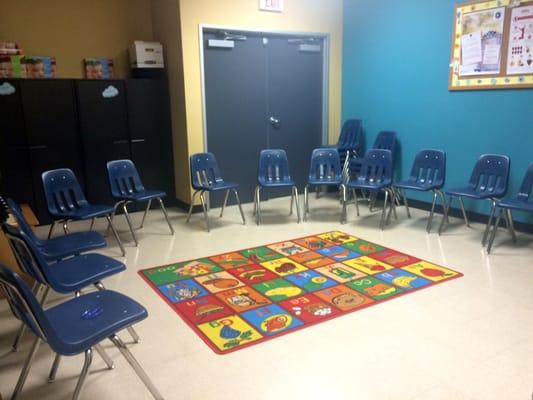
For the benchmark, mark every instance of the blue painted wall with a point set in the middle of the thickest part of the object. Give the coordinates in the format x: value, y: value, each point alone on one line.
x: 395, y: 77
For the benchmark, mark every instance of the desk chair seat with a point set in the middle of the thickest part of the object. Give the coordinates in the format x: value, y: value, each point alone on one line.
x: 273, y: 173
x: 427, y: 175
x: 206, y: 177
x: 75, y: 326
x: 66, y: 202
x: 61, y: 246
x: 521, y: 202
x: 375, y: 176
x: 488, y: 181
x: 127, y: 187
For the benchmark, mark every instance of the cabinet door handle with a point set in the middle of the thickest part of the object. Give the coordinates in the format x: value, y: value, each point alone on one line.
x: 38, y: 147
x: 137, y: 140
x: 120, y: 142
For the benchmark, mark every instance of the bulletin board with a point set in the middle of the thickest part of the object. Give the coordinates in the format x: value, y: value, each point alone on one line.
x: 492, y: 45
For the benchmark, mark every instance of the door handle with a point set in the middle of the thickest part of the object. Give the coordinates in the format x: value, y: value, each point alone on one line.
x: 274, y: 122
x: 137, y: 140
x: 38, y: 147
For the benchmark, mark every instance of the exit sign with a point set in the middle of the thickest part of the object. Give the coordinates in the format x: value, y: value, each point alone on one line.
x: 271, y: 5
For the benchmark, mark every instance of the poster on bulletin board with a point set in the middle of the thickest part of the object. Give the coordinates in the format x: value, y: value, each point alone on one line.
x: 492, y: 45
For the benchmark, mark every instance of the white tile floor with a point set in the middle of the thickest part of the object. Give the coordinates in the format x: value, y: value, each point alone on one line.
x: 470, y: 338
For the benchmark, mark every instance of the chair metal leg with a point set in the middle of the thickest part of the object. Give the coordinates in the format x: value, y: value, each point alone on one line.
x: 297, y: 203
x: 306, y: 201
x: 343, y: 200
x: 26, y: 369
x: 292, y: 201
x: 136, y: 367
x: 446, y: 208
x: 128, y: 219
x: 489, y: 222
x: 255, y: 201
x: 392, y: 206
x: 356, y: 201
x: 92, y: 224
x: 84, y: 372
x: 494, y: 229
x: 510, y: 225
x: 382, y: 223
x: 405, y: 203
x: 443, y: 199
x: 16, y: 343
x: 162, y: 205
x: 65, y: 227
x: 240, y: 205
x: 464, y: 211
x: 258, y: 205
x: 430, y: 219
x: 113, y: 216
x: 108, y: 361
x: 372, y: 201
x: 51, y: 229
x: 192, y: 204
x: 204, y: 207
x: 53, y: 370
x: 110, y: 224
x: 145, y: 213
x: 225, y: 202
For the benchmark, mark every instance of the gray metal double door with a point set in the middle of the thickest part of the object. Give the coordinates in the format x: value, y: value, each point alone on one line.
x: 262, y: 91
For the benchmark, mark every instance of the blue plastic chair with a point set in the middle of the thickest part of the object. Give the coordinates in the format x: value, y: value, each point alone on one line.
x: 521, y: 202
x: 375, y: 176
x: 273, y: 172
x: 62, y: 246
x: 488, y: 182
x: 126, y: 187
x: 66, y: 202
x: 350, y: 144
x: 385, y: 140
x: 427, y: 174
x: 74, y: 327
x: 325, y: 170
x: 206, y: 177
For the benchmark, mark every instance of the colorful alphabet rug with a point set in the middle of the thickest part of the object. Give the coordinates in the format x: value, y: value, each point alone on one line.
x: 245, y: 297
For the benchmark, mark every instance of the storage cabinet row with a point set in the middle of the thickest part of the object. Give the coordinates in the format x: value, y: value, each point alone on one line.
x: 81, y: 125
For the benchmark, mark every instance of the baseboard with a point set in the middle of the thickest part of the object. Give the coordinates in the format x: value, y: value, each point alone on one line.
x: 472, y: 216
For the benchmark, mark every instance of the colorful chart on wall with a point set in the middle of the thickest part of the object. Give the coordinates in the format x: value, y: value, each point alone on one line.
x: 241, y: 298
x: 492, y: 46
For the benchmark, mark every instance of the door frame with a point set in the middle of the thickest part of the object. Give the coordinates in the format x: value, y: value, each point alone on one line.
x: 325, y: 69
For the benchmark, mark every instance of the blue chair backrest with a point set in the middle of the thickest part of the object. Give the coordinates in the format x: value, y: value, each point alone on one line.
x: 325, y: 165
x: 386, y: 140
x: 28, y: 255
x: 15, y: 210
x: 429, y: 168
x: 351, y: 137
x: 23, y: 303
x: 376, y: 167
x: 205, y: 171
x: 123, y: 178
x: 62, y: 191
x: 527, y: 184
x: 273, y: 166
x: 490, y: 175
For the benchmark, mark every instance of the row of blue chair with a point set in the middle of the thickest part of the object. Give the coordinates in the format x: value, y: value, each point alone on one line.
x: 66, y: 201
x: 75, y: 326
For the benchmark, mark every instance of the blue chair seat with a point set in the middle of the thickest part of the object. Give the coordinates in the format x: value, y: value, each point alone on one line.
x: 75, y: 273
x: 90, y: 211
x: 74, y: 243
x: 87, y: 320
x: 410, y: 185
x: 325, y: 182
x: 516, y: 204
x: 473, y: 194
x: 369, y: 186
x: 223, y: 185
x: 278, y: 183
x: 142, y: 195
